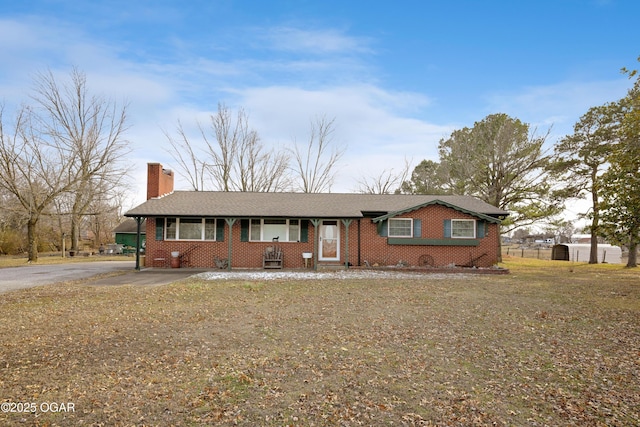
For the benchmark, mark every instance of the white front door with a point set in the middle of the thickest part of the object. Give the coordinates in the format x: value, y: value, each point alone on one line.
x: 329, y: 249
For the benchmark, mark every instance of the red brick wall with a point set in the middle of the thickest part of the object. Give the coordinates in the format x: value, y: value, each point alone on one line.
x: 433, y: 217
x: 245, y: 254
x: 373, y: 248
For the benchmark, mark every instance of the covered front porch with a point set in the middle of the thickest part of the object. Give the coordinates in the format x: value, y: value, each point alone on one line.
x: 241, y: 243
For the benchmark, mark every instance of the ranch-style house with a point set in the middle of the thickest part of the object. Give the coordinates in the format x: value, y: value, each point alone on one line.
x: 211, y: 229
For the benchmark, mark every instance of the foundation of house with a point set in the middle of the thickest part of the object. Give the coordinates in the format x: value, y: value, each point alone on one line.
x: 330, y: 267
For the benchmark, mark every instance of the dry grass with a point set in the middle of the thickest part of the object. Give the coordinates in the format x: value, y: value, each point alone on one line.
x: 56, y: 258
x: 552, y: 343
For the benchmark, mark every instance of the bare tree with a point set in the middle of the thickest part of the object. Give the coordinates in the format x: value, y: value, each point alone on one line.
x: 260, y: 170
x: 65, y: 148
x: 232, y: 157
x: 224, y: 147
x: 33, y: 168
x: 91, y: 128
x: 315, y: 164
x: 387, y: 182
x: 188, y: 161
x: 561, y: 229
x: 108, y: 214
x: 12, y: 222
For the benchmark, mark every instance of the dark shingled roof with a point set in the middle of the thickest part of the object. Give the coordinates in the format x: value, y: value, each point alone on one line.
x: 129, y: 226
x: 297, y: 205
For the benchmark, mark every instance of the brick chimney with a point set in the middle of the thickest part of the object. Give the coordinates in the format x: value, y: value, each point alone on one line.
x: 159, y: 181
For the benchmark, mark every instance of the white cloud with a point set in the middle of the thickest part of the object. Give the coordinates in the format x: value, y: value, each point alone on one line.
x: 559, y: 105
x: 315, y: 42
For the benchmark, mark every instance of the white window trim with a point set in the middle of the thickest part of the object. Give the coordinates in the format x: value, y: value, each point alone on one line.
x: 400, y: 219
x: 284, y: 238
x: 203, y: 230
x: 464, y: 220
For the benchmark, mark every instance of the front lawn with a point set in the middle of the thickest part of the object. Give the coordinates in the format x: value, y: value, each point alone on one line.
x: 552, y: 343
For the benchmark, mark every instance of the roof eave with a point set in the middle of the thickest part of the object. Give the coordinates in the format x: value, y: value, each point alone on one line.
x: 437, y: 202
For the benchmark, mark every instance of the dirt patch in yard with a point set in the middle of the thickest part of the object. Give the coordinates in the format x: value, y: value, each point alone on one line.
x: 535, y: 347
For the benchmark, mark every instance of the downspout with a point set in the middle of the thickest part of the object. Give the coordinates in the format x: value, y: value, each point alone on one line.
x: 359, y: 246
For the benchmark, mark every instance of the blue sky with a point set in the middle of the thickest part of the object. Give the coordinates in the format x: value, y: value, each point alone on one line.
x: 396, y: 76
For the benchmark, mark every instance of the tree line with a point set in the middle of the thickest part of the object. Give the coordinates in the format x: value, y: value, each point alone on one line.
x: 61, y: 161
x: 64, y: 158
